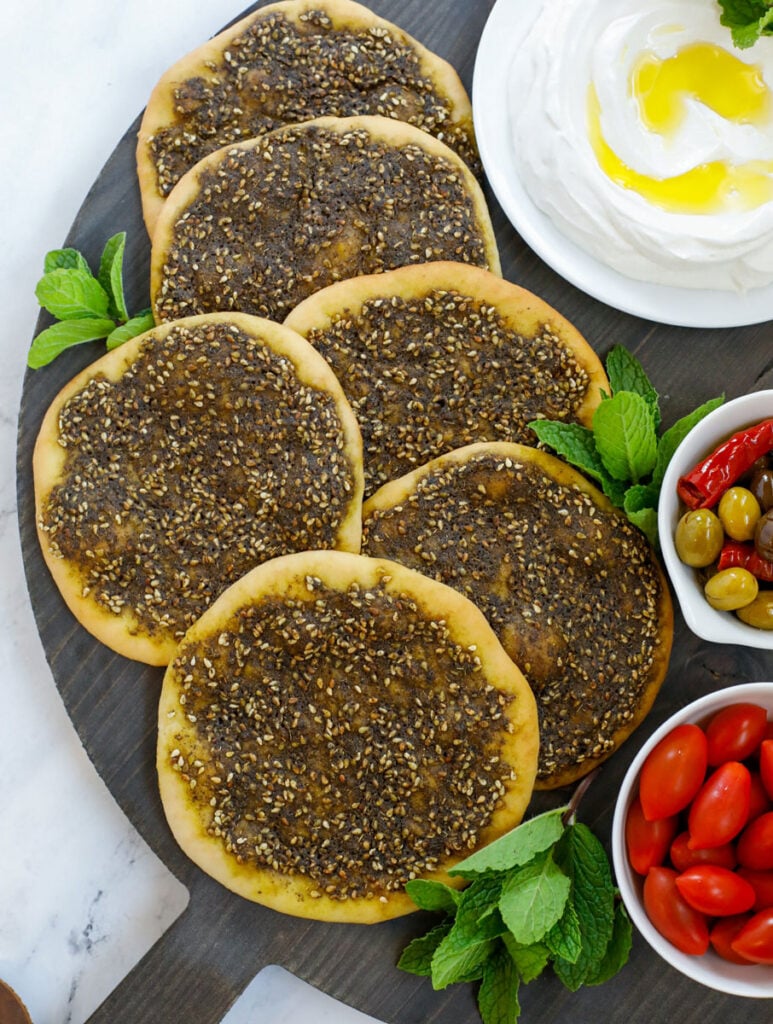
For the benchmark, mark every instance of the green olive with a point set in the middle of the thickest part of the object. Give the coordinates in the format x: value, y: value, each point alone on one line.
x: 738, y: 512
x: 759, y: 612
x: 731, y: 589
x: 699, y: 538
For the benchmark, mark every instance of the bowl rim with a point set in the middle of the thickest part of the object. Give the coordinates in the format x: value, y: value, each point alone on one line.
x: 710, y: 969
x: 703, y: 620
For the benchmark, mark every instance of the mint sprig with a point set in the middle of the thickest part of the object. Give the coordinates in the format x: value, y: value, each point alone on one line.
x: 540, y: 896
x: 747, y: 20
x: 87, y: 307
x: 624, y: 451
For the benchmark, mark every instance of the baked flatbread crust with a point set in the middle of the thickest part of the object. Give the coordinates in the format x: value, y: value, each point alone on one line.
x: 179, y: 460
x: 335, y: 725
x: 436, y: 356
x: 265, y: 71
x: 261, y: 225
x: 573, y: 591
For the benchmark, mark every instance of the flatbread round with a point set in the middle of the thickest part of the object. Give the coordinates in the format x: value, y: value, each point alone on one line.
x: 262, y: 225
x: 335, y: 726
x: 286, y: 63
x: 436, y: 356
x: 178, y: 461
x: 572, y: 589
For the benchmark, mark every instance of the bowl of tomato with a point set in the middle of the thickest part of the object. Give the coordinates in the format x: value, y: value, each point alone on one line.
x: 692, y: 840
x: 715, y: 523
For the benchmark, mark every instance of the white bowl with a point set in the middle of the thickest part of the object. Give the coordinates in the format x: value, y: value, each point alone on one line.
x: 710, y: 969
x: 705, y: 621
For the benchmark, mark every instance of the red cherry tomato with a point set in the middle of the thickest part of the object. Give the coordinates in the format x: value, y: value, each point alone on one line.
x: 762, y: 883
x: 735, y: 732
x: 715, y: 890
x: 683, y: 925
x: 759, y: 801
x: 755, y: 939
x: 647, y: 842
x: 723, y: 932
x: 721, y: 808
x: 755, y: 844
x: 766, y: 766
x: 682, y: 857
x: 673, y: 772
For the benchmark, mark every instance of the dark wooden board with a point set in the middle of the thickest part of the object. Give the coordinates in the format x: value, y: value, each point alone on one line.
x: 206, y: 959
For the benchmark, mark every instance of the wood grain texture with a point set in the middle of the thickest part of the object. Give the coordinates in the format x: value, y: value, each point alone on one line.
x: 210, y: 954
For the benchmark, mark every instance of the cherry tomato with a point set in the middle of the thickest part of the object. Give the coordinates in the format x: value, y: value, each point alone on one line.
x: 762, y: 883
x: 735, y: 732
x: 682, y: 857
x: 766, y: 766
x: 723, y: 932
x: 755, y: 939
x: 721, y: 808
x: 715, y: 890
x: 647, y: 842
x: 683, y: 925
x: 673, y: 772
x: 755, y: 844
x: 759, y: 801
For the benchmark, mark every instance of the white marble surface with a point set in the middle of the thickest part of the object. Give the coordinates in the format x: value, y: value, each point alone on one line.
x: 81, y: 896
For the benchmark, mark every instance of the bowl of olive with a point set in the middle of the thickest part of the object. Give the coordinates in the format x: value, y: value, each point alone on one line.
x: 715, y: 522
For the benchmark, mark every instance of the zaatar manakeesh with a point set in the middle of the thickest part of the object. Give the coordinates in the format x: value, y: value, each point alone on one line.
x: 334, y: 726
x: 286, y: 63
x: 175, y: 463
x: 573, y: 591
x: 261, y: 225
x: 439, y: 355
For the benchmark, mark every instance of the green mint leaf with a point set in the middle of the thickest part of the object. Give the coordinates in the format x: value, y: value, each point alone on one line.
x: 576, y: 445
x: 431, y: 895
x: 565, y: 938
x: 584, y: 860
x: 533, y: 898
x: 618, y: 950
x: 477, y: 916
x: 63, y: 259
x: 498, y: 992
x: 515, y: 847
x: 60, y: 336
x: 626, y: 373
x: 747, y: 20
x: 110, y: 274
x: 673, y: 437
x: 416, y: 958
x: 625, y: 436
x: 125, y: 332
x: 645, y: 516
x: 454, y: 961
x: 530, y: 960
x: 69, y: 293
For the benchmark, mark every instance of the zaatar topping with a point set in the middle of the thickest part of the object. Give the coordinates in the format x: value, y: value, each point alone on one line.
x: 346, y: 737
x: 207, y: 456
x: 282, y: 71
x: 312, y: 205
x: 571, y: 590
x: 432, y: 373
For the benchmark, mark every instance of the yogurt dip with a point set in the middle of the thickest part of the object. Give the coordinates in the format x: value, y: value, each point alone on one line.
x: 647, y: 138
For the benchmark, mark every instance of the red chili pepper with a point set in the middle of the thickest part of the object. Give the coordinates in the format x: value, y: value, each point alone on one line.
x: 744, y: 554
x: 705, y: 484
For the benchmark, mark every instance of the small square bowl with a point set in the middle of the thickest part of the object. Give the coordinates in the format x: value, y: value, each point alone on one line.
x: 705, y: 621
x: 756, y: 980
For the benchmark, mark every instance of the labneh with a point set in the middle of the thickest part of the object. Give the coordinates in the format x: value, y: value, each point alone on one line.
x: 436, y: 356
x: 261, y: 225
x: 335, y: 726
x: 572, y: 589
x: 177, y: 462
x: 291, y: 62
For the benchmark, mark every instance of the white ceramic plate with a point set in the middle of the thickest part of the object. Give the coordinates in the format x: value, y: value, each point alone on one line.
x: 504, y: 31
